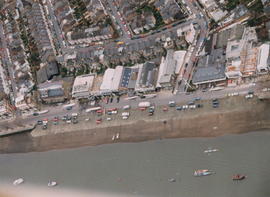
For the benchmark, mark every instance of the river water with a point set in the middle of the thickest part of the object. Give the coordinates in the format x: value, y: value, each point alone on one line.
x: 143, y: 169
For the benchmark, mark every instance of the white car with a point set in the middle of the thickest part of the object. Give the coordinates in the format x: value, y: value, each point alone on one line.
x: 249, y: 96
x: 114, y: 112
x: 125, y: 117
x: 185, y: 107
x: 192, y: 107
x: 266, y: 89
x: 109, y: 119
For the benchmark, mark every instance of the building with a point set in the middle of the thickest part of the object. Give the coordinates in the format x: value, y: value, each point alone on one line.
x: 82, y: 86
x: 111, y: 79
x: 147, y: 76
x: 51, y: 92
x: 166, y: 73
x: 210, y: 69
x: 47, y: 71
x: 263, y: 59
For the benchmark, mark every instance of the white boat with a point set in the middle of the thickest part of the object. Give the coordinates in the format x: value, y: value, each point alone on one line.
x: 202, y: 173
x: 18, y: 181
x: 211, y: 150
x: 52, y: 184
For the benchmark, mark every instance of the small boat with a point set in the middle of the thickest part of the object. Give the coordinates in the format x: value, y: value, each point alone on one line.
x: 52, y: 184
x: 211, y: 150
x: 238, y: 177
x: 18, y: 181
x: 171, y: 180
x: 202, y: 172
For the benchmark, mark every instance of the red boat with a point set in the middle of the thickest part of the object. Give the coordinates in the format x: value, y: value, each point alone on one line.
x: 238, y: 177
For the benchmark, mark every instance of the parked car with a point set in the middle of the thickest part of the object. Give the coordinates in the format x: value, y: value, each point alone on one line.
x: 192, y: 106
x: 249, y: 96
x: 165, y: 108
x: 172, y: 104
x: 109, y: 119
x: 179, y: 108
x: 125, y: 117
x: 199, y: 105
x: 39, y: 122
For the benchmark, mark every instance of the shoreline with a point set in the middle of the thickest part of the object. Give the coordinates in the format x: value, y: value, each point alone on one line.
x: 235, y: 116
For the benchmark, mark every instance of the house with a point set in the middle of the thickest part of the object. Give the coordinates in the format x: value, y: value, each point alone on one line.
x: 51, y: 92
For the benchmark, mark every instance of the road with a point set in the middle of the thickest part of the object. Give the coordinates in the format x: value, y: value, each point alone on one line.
x: 56, y: 26
x: 161, y: 99
x: 117, y: 18
x: 182, y: 81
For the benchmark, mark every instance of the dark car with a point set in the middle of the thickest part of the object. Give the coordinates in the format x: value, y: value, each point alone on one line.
x: 39, y: 122
x: 35, y: 114
x: 69, y: 108
x: 179, y: 108
x: 199, y: 105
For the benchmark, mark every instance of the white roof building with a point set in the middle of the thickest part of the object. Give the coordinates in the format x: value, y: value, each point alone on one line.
x: 111, y: 79
x: 166, y: 70
x: 82, y: 86
x: 262, y: 58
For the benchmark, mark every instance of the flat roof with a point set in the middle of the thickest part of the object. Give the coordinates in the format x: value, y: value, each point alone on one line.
x: 83, y: 83
x: 210, y: 68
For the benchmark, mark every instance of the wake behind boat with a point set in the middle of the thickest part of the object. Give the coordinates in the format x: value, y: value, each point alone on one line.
x: 205, y: 172
x: 18, y: 181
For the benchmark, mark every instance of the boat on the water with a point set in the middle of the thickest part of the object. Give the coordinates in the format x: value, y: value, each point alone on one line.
x: 171, y: 180
x: 202, y: 172
x: 18, y: 181
x: 238, y: 177
x: 52, y: 184
x: 211, y: 150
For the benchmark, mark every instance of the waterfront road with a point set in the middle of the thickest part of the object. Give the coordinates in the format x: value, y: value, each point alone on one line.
x: 162, y: 98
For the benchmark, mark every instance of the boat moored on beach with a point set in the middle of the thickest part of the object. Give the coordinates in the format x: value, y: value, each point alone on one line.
x: 18, y: 181
x: 205, y: 172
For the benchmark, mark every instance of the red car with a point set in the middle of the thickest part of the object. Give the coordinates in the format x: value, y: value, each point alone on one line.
x: 165, y: 108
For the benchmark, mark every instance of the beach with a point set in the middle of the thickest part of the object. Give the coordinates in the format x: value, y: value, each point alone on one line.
x: 235, y: 115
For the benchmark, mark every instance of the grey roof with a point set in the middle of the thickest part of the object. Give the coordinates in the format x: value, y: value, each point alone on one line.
x: 56, y: 92
x: 210, y: 68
